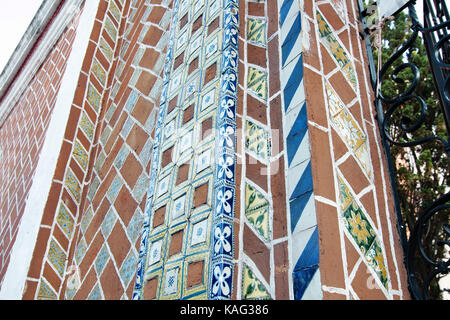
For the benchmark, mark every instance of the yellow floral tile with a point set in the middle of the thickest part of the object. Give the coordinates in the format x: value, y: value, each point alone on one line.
x: 335, y: 105
x: 337, y: 50
x: 256, y: 140
x: 359, y: 228
x: 257, y: 82
x: 86, y: 126
x: 252, y: 287
x: 375, y: 258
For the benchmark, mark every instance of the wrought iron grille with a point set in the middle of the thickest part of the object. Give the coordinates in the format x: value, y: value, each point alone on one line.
x: 426, y: 238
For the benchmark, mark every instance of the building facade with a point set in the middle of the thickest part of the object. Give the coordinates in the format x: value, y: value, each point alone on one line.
x: 194, y: 149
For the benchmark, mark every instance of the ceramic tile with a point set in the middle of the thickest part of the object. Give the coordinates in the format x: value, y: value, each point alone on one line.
x: 128, y: 268
x: 86, y: 219
x: 252, y: 287
x: 199, y: 232
x: 363, y: 156
x: 46, y: 292
x: 257, y: 82
x: 155, y: 252
x: 257, y: 211
x: 108, y: 222
x: 163, y: 185
x: 348, y: 129
x: 376, y: 260
x: 359, y: 227
x: 65, y: 220
x: 101, y: 259
x: 87, y: 126
x: 256, y: 31
x: 171, y: 283
x: 204, y: 161
x: 345, y: 195
x: 257, y: 140
x: 110, y: 28
x: 223, y: 239
x: 179, y: 207
x: 72, y: 184
x: 57, y: 257
x: 222, y: 273
x: 80, y: 250
x: 95, y: 294
x: 337, y: 50
x: 114, y: 10
x: 98, y: 71
x: 106, y: 49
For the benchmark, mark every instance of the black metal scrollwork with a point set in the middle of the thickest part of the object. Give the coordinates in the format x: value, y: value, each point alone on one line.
x: 435, y: 34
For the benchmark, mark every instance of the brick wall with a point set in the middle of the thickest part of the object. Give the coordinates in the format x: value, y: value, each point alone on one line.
x: 21, y: 138
x: 103, y: 256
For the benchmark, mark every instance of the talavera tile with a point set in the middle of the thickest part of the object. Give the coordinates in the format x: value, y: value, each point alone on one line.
x: 256, y: 31
x: 257, y: 140
x: 46, y: 292
x: 257, y: 82
x: 252, y: 287
x: 257, y: 211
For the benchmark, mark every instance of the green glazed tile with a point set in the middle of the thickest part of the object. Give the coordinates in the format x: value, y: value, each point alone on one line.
x: 256, y: 140
x: 359, y: 227
x: 252, y: 288
x: 375, y: 258
x: 257, y: 82
x: 257, y: 211
x: 256, y: 31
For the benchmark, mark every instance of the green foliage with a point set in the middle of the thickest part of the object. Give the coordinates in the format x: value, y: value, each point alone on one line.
x: 422, y: 171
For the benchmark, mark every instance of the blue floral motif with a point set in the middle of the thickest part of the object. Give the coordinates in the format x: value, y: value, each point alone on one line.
x: 229, y: 81
x: 222, y: 239
x: 229, y: 58
x: 227, y: 108
x: 222, y: 274
x: 225, y: 170
x: 230, y: 37
x: 224, y: 201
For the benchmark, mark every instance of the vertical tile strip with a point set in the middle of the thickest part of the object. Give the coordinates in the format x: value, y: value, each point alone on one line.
x: 304, y: 234
x: 221, y: 270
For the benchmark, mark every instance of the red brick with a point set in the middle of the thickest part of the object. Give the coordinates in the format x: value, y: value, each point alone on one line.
x: 118, y: 243
x: 125, y: 205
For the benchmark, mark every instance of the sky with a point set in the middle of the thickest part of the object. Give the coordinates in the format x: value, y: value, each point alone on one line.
x: 15, y: 17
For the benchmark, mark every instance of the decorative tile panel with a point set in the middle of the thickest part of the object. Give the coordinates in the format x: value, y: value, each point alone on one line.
x: 57, y: 257
x: 348, y: 129
x: 362, y: 232
x: 209, y: 90
x: 256, y: 31
x: 257, y: 82
x: 257, y: 140
x: 252, y: 287
x: 337, y: 50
